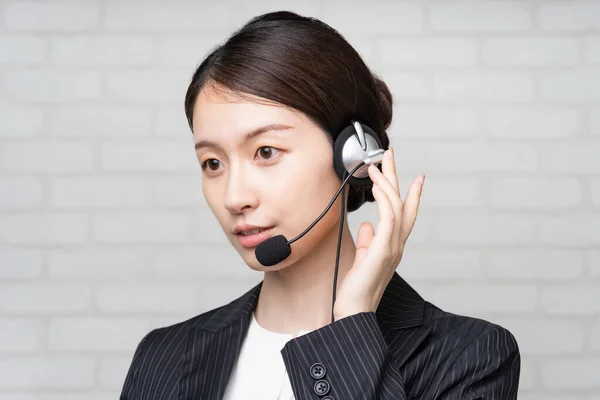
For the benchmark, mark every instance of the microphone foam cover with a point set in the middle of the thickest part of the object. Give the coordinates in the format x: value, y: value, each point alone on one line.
x: 273, y: 251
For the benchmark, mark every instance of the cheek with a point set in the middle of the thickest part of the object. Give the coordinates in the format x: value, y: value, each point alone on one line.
x: 310, y: 191
x: 307, y: 184
x: 213, y: 199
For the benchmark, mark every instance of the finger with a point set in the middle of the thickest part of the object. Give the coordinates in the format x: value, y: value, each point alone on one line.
x: 389, y: 170
x: 388, y: 167
x: 411, y: 208
x: 393, y: 197
x: 387, y: 220
x: 383, y: 182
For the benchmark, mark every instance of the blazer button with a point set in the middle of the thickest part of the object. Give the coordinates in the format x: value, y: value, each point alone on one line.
x: 321, y: 387
x: 328, y: 398
x: 317, y: 370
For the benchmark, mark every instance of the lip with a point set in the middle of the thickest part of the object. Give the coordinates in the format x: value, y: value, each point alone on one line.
x: 254, y: 239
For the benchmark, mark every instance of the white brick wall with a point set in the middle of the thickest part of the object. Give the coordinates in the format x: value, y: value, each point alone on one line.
x: 103, y: 221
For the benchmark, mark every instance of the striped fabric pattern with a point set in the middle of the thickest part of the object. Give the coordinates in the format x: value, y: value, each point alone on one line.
x: 408, y: 349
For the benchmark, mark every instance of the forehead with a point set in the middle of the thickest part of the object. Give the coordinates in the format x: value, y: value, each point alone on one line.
x: 218, y: 113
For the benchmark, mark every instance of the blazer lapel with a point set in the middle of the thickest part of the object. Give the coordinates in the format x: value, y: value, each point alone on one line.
x: 212, y: 349
x: 213, y: 346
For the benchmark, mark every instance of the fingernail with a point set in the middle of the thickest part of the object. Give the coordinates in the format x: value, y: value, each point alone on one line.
x: 392, y: 151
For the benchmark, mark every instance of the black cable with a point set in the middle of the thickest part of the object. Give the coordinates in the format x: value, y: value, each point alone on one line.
x: 330, y: 203
x: 339, y: 244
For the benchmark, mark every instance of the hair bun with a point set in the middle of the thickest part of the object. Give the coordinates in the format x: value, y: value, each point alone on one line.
x: 385, y: 101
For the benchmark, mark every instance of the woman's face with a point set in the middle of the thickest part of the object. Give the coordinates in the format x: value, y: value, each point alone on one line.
x: 281, y: 178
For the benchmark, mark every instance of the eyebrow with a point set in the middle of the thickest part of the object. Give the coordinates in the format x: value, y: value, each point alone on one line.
x: 250, y: 135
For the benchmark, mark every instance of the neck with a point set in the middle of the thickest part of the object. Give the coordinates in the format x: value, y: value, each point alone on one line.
x: 299, y: 296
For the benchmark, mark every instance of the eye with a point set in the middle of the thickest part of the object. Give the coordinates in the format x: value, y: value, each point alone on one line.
x: 213, y: 164
x: 209, y: 164
x: 268, y: 153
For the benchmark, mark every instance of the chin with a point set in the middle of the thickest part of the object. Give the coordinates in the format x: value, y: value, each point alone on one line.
x: 259, y: 267
x: 252, y: 262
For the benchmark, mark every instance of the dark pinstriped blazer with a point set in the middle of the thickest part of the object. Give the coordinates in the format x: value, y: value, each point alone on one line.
x: 408, y: 349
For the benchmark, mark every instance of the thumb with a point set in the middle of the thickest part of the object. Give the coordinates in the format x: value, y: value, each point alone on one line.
x: 363, y: 239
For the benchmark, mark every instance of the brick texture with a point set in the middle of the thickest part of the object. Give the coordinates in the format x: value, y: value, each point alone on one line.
x: 105, y: 233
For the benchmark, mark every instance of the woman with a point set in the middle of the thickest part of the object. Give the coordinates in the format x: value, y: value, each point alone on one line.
x: 294, y: 83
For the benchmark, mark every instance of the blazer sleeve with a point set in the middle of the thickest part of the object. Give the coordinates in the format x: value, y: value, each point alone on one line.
x: 489, y: 368
x: 349, y: 359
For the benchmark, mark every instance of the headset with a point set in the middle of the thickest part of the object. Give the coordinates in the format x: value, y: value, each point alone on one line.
x: 355, y: 148
x: 356, y: 143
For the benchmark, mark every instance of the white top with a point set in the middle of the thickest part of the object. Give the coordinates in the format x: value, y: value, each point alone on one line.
x: 259, y: 372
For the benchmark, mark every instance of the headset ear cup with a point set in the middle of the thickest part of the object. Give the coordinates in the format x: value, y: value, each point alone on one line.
x: 338, y: 148
x: 358, y: 186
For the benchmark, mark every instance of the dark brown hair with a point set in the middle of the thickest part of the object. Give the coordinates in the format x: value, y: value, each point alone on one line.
x: 302, y: 63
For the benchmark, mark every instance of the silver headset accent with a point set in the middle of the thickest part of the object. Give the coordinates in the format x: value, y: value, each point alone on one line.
x: 356, y: 150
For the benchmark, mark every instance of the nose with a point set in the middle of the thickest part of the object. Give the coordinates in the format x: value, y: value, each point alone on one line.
x: 240, y: 192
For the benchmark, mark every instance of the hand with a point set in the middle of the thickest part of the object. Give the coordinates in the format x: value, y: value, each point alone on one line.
x: 379, y: 253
